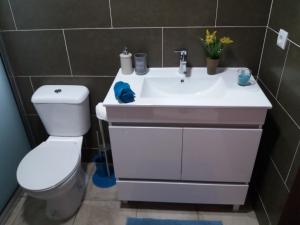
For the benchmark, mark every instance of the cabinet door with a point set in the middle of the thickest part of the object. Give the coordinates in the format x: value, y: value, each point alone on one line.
x: 219, y: 155
x: 146, y: 152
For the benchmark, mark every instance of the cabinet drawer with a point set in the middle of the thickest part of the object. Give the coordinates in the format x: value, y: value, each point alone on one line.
x: 182, y: 192
x: 146, y: 152
x: 219, y: 155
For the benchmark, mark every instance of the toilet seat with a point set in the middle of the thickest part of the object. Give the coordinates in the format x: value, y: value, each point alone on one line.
x: 50, y: 164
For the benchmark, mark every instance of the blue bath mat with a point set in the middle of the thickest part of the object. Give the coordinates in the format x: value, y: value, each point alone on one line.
x: 146, y: 221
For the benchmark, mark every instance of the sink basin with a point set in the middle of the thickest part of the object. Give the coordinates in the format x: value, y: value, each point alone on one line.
x: 165, y: 87
x: 158, y: 87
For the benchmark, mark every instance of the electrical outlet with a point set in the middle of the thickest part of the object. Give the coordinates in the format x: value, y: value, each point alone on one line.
x: 282, y: 38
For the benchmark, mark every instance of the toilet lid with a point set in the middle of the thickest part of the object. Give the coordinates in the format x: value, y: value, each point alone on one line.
x: 48, y: 165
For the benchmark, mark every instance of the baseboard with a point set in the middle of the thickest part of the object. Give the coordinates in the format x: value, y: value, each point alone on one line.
x: 10, y: 206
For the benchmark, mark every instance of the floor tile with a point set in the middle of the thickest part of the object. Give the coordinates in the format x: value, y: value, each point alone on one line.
x: 103, y: 213
x: 16, y: 210
x: 227, y: 218
x: 96, y: 193
x: 33, y: 212
x: 167, y: 214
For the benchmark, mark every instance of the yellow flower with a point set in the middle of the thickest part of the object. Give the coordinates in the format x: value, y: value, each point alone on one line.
x: 207, y: 33
x: 210, y: 37
x: 209, y: 40
x: 226, y: 40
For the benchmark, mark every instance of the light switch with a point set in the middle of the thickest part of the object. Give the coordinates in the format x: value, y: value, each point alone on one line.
x: 282, y: 38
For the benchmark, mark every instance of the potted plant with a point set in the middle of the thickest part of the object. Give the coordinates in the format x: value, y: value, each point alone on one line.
x: 213, y: 47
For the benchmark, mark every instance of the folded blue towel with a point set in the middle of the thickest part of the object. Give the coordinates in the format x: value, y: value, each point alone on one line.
x: 123, y: 92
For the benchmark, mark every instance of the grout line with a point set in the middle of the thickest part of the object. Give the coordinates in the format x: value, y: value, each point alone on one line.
x: 270, y: 12
x: 12, y: 14
x: 294, y: 43
x: 295, y: 123
x: 216, y: 18
x: 262, y: 53
x: 110, y: 14
x: 208, y: 26
x: 270, y: 28
x: 276, y: 168
x: 67, y: 51
x: 96, y: 76
x: 264, y: 207
x: 69, y: 76
x: 263, y: 47
x: 283, y: 68
x: 128, y: 28
x: 294, y: 157
x: 162, y: 47
x: 42, y: 76
x: 31, y: 84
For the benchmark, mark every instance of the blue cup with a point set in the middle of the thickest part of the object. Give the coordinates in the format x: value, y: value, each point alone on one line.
x: 244, y: 78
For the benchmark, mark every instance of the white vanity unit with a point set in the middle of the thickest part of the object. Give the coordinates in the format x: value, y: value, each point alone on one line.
x: 186, y: 139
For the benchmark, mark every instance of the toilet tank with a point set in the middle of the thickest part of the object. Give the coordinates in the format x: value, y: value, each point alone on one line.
x: 63, y: 109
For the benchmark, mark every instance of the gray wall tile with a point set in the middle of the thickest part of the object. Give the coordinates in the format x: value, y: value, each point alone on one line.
x: 273, y: 193
x: 282, y: 137
x: 294, y: 168
x: 244, y: 52
x: 38, y: 129
x: 91, y: 137
x: 32, y: 14
x: 285, y: 14
x: 36, y: 53
x: 26, y: 92
x: 97, y: 51
x: 272, y: 62
x: 289, y: 92
x: 243, y: 13
x: 163, y: 13
x: 260, y: 212
x: 6, y: 19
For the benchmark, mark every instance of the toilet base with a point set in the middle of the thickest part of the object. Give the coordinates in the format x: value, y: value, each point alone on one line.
x: 64, y: 206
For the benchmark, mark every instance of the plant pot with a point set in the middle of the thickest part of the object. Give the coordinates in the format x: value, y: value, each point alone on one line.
x: 212, y: 65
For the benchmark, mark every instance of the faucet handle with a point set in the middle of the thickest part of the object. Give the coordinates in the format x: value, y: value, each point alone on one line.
x: 182, y: 51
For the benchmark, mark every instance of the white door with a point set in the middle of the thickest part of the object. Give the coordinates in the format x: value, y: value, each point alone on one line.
x: 220, y: 155
x: 146, y: 152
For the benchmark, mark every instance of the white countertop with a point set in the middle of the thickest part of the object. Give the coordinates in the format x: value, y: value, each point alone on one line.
x: 227, y: 94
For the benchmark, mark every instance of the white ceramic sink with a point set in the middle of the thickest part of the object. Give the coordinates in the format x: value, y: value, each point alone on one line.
x: 170, y: 87
x: 165, y: 87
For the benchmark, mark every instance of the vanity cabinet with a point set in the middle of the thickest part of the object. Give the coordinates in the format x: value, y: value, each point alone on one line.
x: 186, y: 139
x: 184, y: 164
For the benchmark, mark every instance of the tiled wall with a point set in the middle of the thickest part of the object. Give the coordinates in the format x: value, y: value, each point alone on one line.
x: 78, y: 41
x: 279, y: 154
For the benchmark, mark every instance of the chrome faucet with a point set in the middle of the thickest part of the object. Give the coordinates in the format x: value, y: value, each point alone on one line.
x: 183, y: 61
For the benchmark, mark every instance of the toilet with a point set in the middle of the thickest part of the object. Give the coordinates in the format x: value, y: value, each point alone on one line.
x: 52, y: 171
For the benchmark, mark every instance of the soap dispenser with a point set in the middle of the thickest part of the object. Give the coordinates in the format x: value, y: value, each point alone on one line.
x: 126, y: 62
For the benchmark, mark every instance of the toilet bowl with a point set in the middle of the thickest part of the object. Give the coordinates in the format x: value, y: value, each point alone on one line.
x: 52, y: 171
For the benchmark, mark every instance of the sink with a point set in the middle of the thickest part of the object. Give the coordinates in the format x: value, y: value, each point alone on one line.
x: 165, y: 87
x: 168, y: 87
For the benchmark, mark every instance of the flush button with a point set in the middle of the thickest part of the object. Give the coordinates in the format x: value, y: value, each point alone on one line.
x: 57, y: 91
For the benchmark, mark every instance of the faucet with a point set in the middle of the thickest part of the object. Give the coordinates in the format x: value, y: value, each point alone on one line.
x: 183, y: 61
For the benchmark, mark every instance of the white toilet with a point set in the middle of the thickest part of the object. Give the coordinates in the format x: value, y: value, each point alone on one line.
x: 52, y: 171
